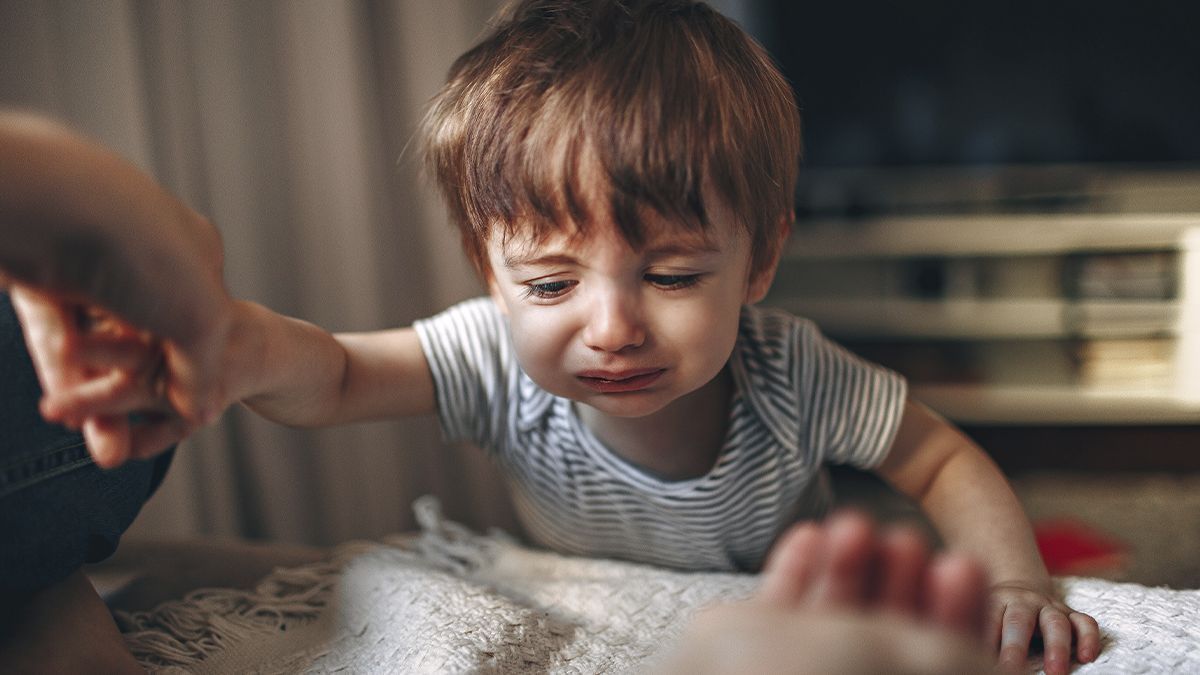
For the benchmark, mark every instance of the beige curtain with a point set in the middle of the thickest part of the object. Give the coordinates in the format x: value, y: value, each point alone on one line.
x: 289, y: 124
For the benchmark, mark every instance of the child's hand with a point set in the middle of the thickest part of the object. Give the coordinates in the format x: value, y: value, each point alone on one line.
x: 1018, y: 610
x: 100, y: 375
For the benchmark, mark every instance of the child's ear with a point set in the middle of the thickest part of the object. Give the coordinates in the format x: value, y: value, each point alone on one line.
x: 761, y: 278
x: 494, y: 291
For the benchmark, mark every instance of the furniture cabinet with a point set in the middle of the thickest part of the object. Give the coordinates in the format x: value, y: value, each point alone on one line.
x: 1016, y: 323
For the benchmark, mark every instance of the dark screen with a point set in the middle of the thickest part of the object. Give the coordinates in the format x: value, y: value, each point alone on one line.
x: 1004, y: 82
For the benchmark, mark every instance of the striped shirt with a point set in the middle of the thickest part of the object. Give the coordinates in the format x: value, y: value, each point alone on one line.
x: 799, y: 402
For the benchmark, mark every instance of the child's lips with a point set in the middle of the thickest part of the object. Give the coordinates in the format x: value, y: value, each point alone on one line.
x: 609, y: 382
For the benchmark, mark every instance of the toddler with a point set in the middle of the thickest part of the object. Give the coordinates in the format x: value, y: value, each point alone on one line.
x: 622, y: 175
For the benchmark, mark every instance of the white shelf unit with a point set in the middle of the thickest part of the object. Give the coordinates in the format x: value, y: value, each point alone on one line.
x: 1001, y: 278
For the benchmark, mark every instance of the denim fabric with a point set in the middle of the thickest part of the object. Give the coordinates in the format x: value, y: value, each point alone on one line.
x: 58, y: 510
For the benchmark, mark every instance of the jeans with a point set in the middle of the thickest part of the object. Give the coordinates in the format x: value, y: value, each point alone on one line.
x: 58, y: 510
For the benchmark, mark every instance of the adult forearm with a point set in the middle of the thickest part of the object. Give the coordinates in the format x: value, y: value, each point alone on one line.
x: 77, y: 219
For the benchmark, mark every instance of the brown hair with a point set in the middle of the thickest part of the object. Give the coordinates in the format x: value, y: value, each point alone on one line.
x: 667, y: 99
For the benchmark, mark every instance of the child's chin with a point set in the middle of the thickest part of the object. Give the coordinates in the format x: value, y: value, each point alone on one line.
x: 631, y: 405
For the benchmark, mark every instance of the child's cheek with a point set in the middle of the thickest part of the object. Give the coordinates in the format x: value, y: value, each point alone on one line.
x: 541, y: 350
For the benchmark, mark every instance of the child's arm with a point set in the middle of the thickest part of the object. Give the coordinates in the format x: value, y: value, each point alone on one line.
x: 81, y: 228
x: 295, y: 373
x: 974, y: 509
x: 286, y: 370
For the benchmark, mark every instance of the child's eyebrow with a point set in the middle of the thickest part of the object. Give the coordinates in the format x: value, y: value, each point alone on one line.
x: 682, y: 249
x: 664, y: 250
x: 513, y: 261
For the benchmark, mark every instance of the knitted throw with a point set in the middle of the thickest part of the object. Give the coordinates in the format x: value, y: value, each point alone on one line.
x: 452, y: 601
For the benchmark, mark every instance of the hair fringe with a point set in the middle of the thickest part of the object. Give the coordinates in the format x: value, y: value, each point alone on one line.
x: 668, y: 102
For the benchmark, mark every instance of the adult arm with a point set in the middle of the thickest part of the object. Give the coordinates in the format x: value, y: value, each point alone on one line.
x: 78, y: 220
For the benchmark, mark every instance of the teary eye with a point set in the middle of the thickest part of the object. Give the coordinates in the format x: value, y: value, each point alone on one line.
x: 673, y: 281
x: 547, y: 289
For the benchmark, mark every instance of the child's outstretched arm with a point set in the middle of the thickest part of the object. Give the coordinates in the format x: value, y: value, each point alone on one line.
x: 285, y: 369
x: 295, y: 373
x: 974, y: 509
x: 83, y: 232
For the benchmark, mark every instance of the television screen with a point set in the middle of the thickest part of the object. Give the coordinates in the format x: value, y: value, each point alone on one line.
x: 1015, y: 82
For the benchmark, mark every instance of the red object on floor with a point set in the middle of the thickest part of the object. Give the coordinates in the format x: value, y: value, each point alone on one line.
x: 1072, y: 547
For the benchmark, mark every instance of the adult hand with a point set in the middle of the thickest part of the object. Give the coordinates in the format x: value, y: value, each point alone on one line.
x: 125, y: 389
x: 84, y: 233
x: 841, y: 598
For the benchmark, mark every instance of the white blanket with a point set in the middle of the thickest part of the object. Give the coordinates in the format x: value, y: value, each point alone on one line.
x: 453, y: 601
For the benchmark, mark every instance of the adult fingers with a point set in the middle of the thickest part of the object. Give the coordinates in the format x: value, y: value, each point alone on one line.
x: 956, y: 593
x: 116, y: 392
x: 792, y: 565
x: 50, y: 335
x: 103, y: 352
x: 850, y: 574
x: 1087, y: 636
x: 108, y: 439
x: 903, y: 556
x: 156, y: 434
x: 1056, y: 640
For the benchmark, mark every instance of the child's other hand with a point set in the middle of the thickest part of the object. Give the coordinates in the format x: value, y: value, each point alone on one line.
x: 1017, y: 611
x: 100, y: 375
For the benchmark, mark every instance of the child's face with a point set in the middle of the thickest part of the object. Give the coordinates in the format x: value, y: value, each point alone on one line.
x: 625, y: 331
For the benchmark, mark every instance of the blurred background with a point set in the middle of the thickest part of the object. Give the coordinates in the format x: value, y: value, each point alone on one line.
x: 999, y: 200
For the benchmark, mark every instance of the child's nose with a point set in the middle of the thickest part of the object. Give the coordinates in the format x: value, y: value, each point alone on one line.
x: 614, y: 324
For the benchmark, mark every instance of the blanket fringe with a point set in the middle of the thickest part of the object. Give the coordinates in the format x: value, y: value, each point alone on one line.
x: 207, y: 620
x: 449, y: 545
x: 183, y: 632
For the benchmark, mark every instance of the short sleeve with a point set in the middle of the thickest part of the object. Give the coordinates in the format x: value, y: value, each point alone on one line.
x: 850, y: 408
x: 469, y: 354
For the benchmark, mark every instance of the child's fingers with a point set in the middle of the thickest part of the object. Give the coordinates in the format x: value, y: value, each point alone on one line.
x: 1056, y: 640
x: 1087, y: 636
x: 1016, y: 635
x: 993, y: 627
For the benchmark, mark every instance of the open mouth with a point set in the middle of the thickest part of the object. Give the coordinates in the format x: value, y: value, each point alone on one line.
x: 615, y: 383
